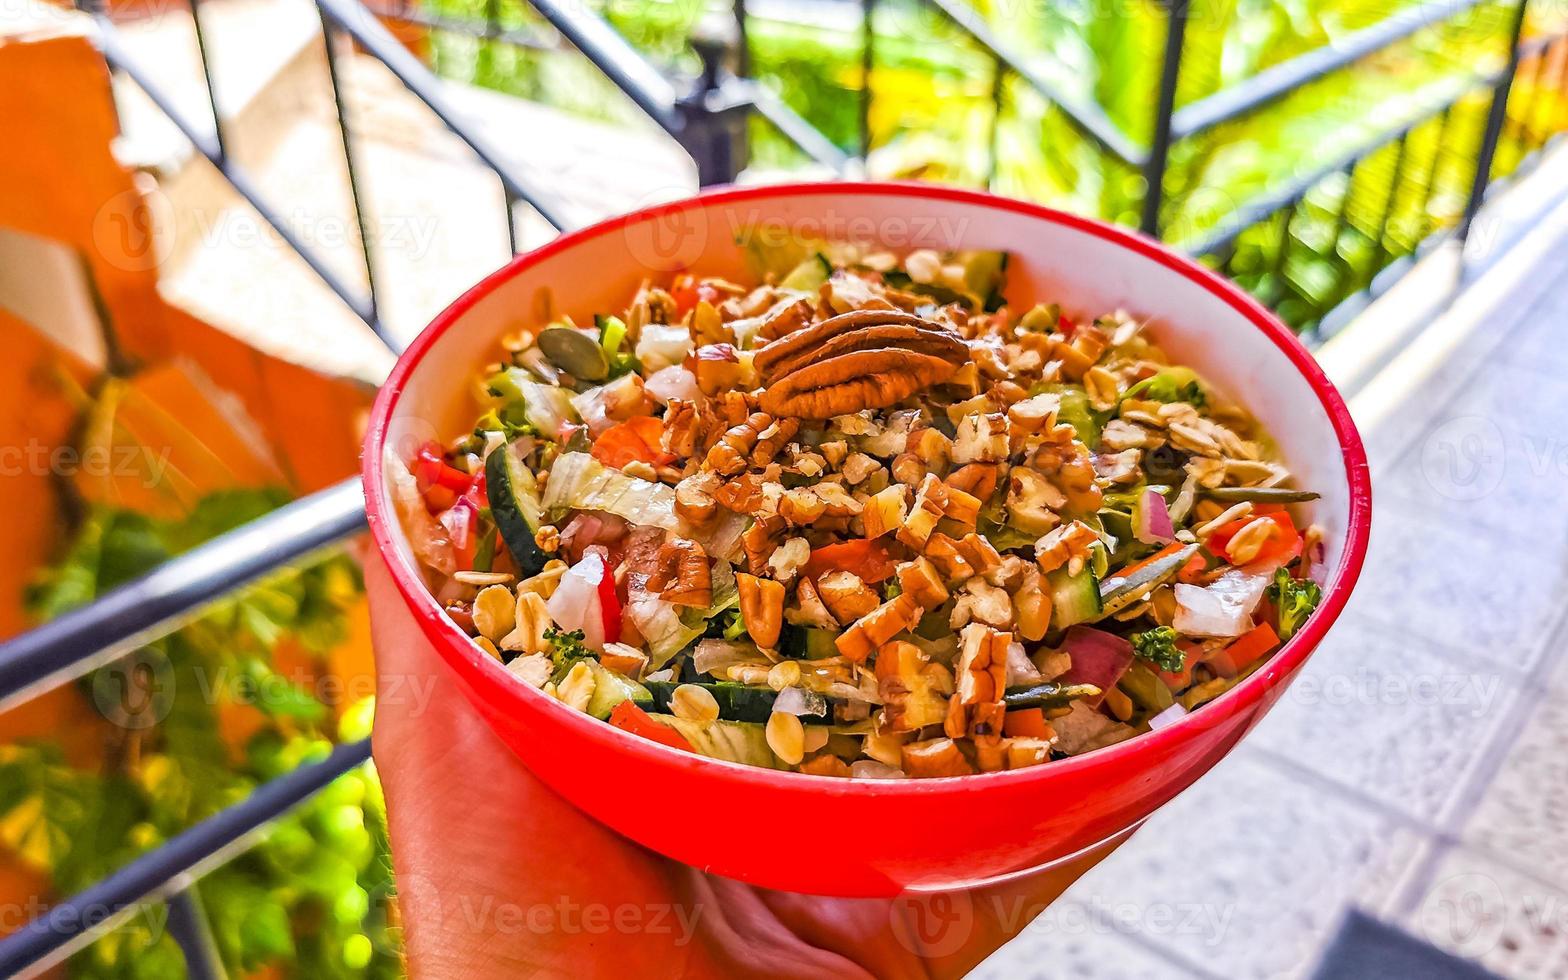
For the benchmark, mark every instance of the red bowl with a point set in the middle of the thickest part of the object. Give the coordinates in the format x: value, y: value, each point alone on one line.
x: 900, y: 834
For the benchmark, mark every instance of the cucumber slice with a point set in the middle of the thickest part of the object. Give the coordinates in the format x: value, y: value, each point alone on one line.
x: 811, y: 644
x: 1074, y: 598
x: 737, y: 702
x: 735, y: 741
x: 1146, y: 690
x: 1121, y: 591
x: 809, y: 275
x: 611, y: 687
x: 514, y: 503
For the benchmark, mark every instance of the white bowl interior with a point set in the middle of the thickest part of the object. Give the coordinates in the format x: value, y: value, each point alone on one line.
x: 1051, y: 262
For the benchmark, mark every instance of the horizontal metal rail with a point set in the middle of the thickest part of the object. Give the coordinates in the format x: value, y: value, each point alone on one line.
x: 353, y: 19
x: 75, y: 921
x: 1286, y: 77
x: 151, y: 606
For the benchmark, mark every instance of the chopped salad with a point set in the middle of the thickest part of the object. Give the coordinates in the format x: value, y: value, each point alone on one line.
x: 860, y: 518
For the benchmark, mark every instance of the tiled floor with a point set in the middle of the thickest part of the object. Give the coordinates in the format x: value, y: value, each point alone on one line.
x: 1418, y: 769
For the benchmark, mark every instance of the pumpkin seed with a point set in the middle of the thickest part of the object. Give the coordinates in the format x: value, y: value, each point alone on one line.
x: 574, y: 351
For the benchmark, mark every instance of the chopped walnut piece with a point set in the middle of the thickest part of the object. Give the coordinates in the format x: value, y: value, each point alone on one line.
x: 884, y: 511
x: 810, y: 610
x: 802, y: 506
x: 935, y: 757
x: 834, y: 452
x: 859, y: 466
x: 788, y: 559
x: 976, y: 708
x: 977, y: 550
x: 625, y: 659
x: 681, y: 575
x: 846, y: 596
x: 761, y: 608
x: 981, y: 438
x: 878, y: 626
x: 910, y: 699
x: 836, y: 500
x: 933, y: 447
x: 1024, y: 752
x: 944, y: 554
x: 1066, y: 545
x: 772, y: 439
x: 979, y: 480
x: 1031, y: 606
x: 920, y: 579
x: 1036, y: 413
x: 1122, y: 467
x: 980, y: 601
x: 961, y: 507
x: 930, y: 500
x: 742, y: 494
x: 729, y: 455
x: 695, y: 502
x: 757, y: 541
x: 825, y: 764
x: 1033, y: 500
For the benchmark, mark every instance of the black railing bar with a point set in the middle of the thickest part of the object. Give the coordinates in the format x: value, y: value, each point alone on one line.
x: 511, y: 222
x: 1261, y: 208
x: 868, y: 64
x: 742, y: 38
x: 1280, y: 80
x: 614, y: 56
x: 1089, y: 117
x: 75, y: 921
x: 517, y: 37
x: 794, y: 126
x: 1176, y: 15
x: 219, y: 143
x: 206, y: 145
x: 1496, y: 116
x: 191, y: 931
x: 356, y: 195
x: 378, y: 42
x: 146, y: 608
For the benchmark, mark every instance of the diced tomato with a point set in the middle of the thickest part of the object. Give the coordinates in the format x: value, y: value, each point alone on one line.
x: 687, y: 292
x: 1241, y: 653
x: 1182, y: 679
x: 637, y: 438
x: 1191, y: 572
x: 1028, y: 722
x: 873, y: 561
x: 629, y: 718
x: 1283, y: 544
x: 1067, y: 325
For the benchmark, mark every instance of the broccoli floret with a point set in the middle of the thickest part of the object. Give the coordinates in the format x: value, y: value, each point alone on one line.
x: 567, y: 648
x: 1295, y: 598
x: 1158, y: 647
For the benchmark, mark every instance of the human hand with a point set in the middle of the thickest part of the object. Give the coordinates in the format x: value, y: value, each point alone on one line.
x: 497, y: 876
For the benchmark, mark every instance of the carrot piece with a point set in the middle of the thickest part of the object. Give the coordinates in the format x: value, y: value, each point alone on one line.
x: 1240, y: 654
x: 637, y: 438
x: 1164, y: 552
x: 873, y: 561
x: 1026, y: 722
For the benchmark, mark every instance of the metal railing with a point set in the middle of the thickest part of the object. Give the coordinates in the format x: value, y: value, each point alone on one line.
x: 703, y: 113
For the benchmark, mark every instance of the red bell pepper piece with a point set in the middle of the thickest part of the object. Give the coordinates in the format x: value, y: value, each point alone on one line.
x: 629, y: 718
x: 609, y: 605
x: 1180, y: 680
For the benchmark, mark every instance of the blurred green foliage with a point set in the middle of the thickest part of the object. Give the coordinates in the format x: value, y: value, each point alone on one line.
x: 938, y: 111
x: 313, y: 897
